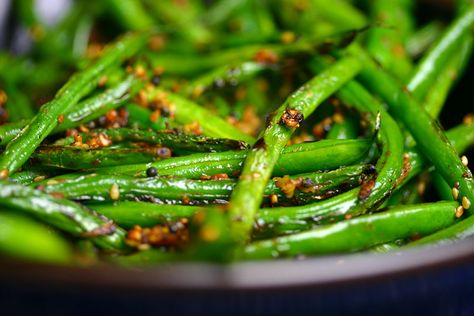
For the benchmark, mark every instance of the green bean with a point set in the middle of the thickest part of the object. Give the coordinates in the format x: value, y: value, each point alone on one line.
x: 191, y: 28
x: 27, y: 177
x: 333, y: 17
x: 390, y: 164
x: 187, y: 65
x: 256, y: 19
x: 97, y: 187
x: 21, y: 237
x: 445, y: 193
x: 461, y: 137
x: 406, y: 194
x: 440, y: 52
x: 221, y: 11
x: 8, y: 131
x: 130, y: 213
x: 177, y: 141
x: 464, y: 135
x: 358, y: 233
x: 140, y: 116
x: 96, y: 106
x: 460, y: 230
x: 130, y: 14
x: 69, y: 157
x: 386, y: 43
x: 423, y: 38
x: 18, y: 105
x: 223, y: 76
x: 341, y: 14
x: 19, y: 150
x: 439, y: 91
x: 259, y: 163
x: 347, y: 129
x: 437, y: 95
x: 427, y: 133
x: 299, y: 158
x: 186, y: 112
x: 62, y: 214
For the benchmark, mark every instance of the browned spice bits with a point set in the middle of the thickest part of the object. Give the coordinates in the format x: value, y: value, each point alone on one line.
x: 161, y: 235
x: 291, y: 118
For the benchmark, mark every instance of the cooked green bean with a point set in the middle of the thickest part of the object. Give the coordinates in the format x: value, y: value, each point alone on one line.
x: 298, y: 158
x: 301, y: 188
x: 143, y: 118
x: 439, y: 53
x: 176, y: 140
x: 70, y: 157
x: 423, y: 38
x: 130, y: 14
x: 96, y: 106
x: 21, y: 237
x: 223, y: 76
x: 461, y: 230
x: 347, y: 129
x: 63, y: 214
x: 389, y: 167
x: 18, y: 105
x: 386, y: 41
x: 187, y: 112
x: 129, y: 213
x: 358, y: 233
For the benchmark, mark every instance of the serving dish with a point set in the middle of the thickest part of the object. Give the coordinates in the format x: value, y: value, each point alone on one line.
x: 435, y: 281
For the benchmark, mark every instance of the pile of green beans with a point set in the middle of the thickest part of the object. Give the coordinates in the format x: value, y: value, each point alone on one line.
x: 224, y: 131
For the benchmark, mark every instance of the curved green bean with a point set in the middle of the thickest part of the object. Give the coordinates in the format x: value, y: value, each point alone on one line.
x: 63, y: 214
x: 426, y: 132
